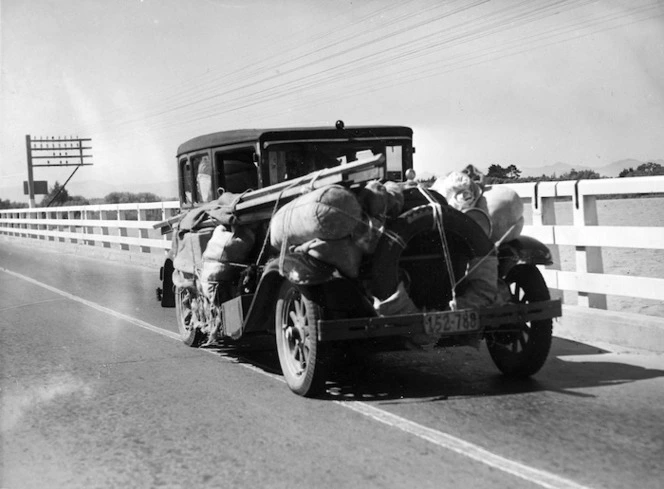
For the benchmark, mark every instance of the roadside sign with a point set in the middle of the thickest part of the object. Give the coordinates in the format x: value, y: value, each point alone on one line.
x: 39, y: 187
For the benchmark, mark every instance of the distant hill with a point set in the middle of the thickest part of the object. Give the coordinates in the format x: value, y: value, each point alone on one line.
x: 614, y: 169
x: 560, y: 168
x: 556, y: 169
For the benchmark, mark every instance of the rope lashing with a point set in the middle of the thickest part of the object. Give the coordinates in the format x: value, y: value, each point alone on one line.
x: 439, y: 226
x: 494, y: 250
x: 274, y: 211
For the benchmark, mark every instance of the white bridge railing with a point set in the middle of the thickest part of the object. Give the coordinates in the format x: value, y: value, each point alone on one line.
x: 583, y: 232
x: 126, y: 227
x: 129, y: 227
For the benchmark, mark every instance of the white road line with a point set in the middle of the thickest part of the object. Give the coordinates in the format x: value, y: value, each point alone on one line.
x: 93, y: 305
x: 536, y: 476
x: 29, y: 304
x: 539, y: 477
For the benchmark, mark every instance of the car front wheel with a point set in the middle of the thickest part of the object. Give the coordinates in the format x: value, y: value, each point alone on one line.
x: 305, y: 362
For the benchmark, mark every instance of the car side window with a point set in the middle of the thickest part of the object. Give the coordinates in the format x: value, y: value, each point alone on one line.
x: 203, y: 171
x: 236, y: 171
x: 187, y: 181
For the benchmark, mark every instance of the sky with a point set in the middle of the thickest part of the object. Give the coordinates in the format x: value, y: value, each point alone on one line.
x: 481, y: 82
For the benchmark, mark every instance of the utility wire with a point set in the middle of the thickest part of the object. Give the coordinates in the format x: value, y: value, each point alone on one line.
x: 273, y: 94
x: 283, y: 72
x: 340, y: 72
x: 196, y: 85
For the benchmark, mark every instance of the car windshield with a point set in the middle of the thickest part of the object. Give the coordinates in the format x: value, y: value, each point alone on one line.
x: 291, y: 160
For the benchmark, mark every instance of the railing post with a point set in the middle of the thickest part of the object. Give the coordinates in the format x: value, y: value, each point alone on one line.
x: 588, y: 258
x: 143, y: 233
x: 166, y: 214
x: 122, y: 231
x: 91, y: 229
x: 38, y: 226
x: 104, y: 216
x: 61, y: 228
x: 544, y: 214
x: 87, y: 230
x: 33, y: 227
x: 49, y: 227
x: 71, y: 215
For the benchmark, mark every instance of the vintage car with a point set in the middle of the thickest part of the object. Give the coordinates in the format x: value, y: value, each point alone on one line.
x: 323, y: 238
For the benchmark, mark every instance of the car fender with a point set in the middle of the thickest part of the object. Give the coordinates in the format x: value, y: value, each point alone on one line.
x: 339, y: 296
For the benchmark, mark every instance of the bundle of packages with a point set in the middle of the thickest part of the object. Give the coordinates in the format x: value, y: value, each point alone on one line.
x: 343, y: 254
x: 224, y: 255
x: 395, y: 198
x: 379, y: 202
x: 327, y: 213
x: 504, y: 207
x: 336, y: 226
x: 459, y: 189
x: 196, y: 227
x: 189, y: 249
x: 479, y: 287
x: 321, y: 223
x: 400, y: 303
x: 498, y: 210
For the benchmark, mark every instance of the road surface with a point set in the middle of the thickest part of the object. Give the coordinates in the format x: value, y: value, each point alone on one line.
x: 97, y: 391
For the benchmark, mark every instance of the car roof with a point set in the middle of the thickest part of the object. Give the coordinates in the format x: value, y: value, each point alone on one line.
x: 239, y: 136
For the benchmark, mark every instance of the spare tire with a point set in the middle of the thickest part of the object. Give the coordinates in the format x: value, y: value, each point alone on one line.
x: 410, y: 251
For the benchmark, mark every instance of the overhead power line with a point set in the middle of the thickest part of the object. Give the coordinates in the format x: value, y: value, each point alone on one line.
x: 281, y: 69
x: 352, y: 72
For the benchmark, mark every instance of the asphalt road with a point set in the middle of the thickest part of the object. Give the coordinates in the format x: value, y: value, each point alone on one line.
x: 97, y: 391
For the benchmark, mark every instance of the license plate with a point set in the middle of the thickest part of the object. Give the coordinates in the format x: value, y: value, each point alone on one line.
x: 450, y: 322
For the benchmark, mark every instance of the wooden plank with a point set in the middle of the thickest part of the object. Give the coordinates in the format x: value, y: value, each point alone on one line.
x: 545, y: 234
x: 602, y: 283
x: 127, y: 240
x: 615, y: 236
x: 259, y: 204
x: 605, y: 236
x: 111, y: 223
x: 622, y: 186
x: 282, y: 192
x: 602, y: 186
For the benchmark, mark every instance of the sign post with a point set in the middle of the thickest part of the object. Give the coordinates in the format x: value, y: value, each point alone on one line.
x: 70, y: 152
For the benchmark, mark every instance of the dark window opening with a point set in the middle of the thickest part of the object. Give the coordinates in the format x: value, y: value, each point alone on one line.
x: 236, y: 171
x: 287, y: 161
x: 187, y: 181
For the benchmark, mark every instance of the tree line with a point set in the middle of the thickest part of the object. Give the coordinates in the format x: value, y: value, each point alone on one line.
x: 59, y: 197
x: 511, y: 174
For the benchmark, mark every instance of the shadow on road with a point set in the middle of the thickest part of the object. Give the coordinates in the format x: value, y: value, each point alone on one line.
x: 453, y: 373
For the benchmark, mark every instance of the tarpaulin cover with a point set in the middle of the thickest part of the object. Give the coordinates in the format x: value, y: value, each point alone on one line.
x: 221, y: 210
x: 190, y: 248
x: 224, y: 255
x: 373, y: 199
x: 229, y: 245
x: 400, y: 303
x: 502, y: 204
x: 343, y: 254
x: 196, y: 227
x: 479, y: 287
x: 395, y: 198
x: 330, y: 212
